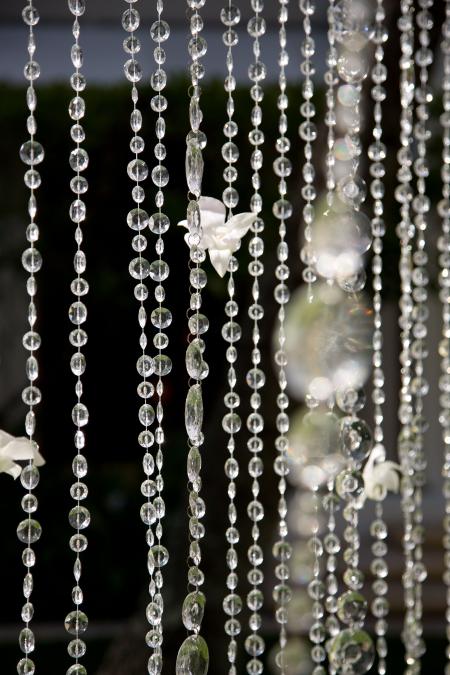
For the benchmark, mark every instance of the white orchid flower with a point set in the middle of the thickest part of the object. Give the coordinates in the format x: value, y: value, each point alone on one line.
x: 14, y: 449
x: 220, y: 236
x: 380, y: 476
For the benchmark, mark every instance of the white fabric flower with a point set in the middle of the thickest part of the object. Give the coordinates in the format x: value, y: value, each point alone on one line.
x: 14, y: 449
x: 220, y: 236
x: 380, y: 476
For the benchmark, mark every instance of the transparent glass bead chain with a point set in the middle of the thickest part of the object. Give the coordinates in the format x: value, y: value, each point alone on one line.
x: 193, y: 655
x: 140, y: 269
x: 282, y: 210
x: 355, y: 437
x: 419, y: 386
x: 254, y: 643
x: 161, y: 319
x: 444, y: 297
x: 29, y: 530
x: 404, y: 194
x: 330, y: 116
x: 377, y: 153
x: 308, y: 134
x: 231, y: 332
x: 76, y: 621
x: 331, y: 541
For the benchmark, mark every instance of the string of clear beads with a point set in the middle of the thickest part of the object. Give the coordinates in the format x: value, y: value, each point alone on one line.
x: 29, y: 530
x: 231, y: 332
x: 377, y: 153
x: 419, y: 386
x: 76, y: 621
x: 308, y: 134
x: 161, y: 318
x: 194, y: 649
x: 332, y: 544
x: 355, y: 436
x: 330, y: 117
x: 282, y: 210
x: 254, y: 643
x: 444, y: 297
x: 411, y: 634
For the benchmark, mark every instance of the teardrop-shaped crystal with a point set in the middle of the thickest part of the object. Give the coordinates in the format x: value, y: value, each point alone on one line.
x: 194, y: 169
x: 193, y: 610
x: 193, y: 657
x: 193, y: 414
x: 195, y: 366
x: 194, y: 464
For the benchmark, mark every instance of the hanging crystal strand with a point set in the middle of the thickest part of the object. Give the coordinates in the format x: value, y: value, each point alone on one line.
x: 140, y: 269
x: 29, y: 530
x: 193, y: 655
x: 282, y: 210
x: 355, y: 437
x: 231, y: 332
x: 330, y: 117
x: 411, y: 634
x: 308, y: 133
x: 324, y: 596
x: 377, y: 153
x: 161, y: 318
x: 419, y: 386
x: 254, y: 643
x: 76, y: 621
x: 444, y: 345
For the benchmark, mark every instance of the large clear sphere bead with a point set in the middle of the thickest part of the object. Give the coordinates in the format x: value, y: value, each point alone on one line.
x: 352, y: 652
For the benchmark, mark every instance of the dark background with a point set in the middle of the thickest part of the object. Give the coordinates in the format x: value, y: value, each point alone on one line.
x: 114, y: 574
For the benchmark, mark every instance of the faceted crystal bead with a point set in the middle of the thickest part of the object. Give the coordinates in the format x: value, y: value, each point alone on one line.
x: 194, y: 169
x: 26, y: 640
x: 76, y: 622
x: 355, y: 438
x: 193, y: 657
x: 352, y: 646
x: 25, y: 667
x: 31, y: 153
x: 193, y: 610
x: 132, y: 70
x: 352, y: 607
x: 79, y: 517
x: 29, y: 531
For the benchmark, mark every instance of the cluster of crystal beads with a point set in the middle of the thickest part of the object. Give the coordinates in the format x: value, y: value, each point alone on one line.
x: 254, y: 643
x: 377, y: 153
x: 282, y: 210
x: 444, y: 297
x: 193, y: 655
x: 231, y: 332
x: 29, y: 530
x: 153, y: 510
x: 308, y: 134
x: 76, y: 621
x: 355, y: 437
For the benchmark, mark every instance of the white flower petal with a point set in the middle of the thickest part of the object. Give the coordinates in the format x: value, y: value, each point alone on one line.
x: 183, y: 223
x: 5, y: 438
x: 220, y: 260
x: 241, y: 223
x: 213, y: 205
x: 17, y: 449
